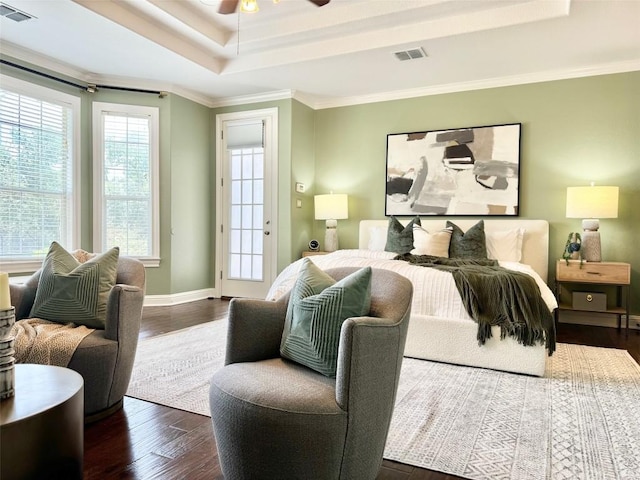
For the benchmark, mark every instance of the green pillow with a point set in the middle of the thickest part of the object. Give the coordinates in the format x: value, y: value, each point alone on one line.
x: 70, y: 291
x: 469, y: 244
x: 399, y: 237
x: 318, y: 306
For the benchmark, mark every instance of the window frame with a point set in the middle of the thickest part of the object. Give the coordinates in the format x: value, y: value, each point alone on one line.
x: 98, y: 109
x: 73, y: 103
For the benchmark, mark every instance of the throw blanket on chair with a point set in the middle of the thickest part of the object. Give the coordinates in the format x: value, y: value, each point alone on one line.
x: 493, y: 295
x: 46, y: 343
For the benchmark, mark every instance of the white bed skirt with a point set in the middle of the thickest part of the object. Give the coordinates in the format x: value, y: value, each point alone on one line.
x: 454, y: 341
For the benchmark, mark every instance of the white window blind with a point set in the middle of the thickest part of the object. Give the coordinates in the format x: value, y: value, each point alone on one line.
x: 38, y: 166
x: 126, y: 189
x: 245, y: 135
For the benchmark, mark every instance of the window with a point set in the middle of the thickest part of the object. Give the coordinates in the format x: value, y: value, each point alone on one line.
x: 247, y: 205
x: 39, y: 172
x: 126, y: 164
x: 245, y: 144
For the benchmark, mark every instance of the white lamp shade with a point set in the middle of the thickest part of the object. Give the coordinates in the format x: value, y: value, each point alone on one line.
x: 331, y: 206
x: 592, y: 202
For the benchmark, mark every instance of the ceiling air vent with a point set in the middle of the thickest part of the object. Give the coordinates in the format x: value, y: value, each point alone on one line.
x: 13, y: 13
x: 411, y: 54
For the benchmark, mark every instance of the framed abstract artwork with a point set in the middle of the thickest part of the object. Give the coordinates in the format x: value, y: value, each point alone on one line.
x: 461, y: 171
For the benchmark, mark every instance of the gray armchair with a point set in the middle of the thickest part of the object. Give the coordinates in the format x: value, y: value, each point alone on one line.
x: 105, y: 357
x: 276, y: 419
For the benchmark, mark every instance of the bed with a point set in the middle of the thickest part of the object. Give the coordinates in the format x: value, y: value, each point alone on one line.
x: 440, y: 328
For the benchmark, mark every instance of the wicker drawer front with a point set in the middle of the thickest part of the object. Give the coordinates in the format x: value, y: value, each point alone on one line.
x: 604, y: 272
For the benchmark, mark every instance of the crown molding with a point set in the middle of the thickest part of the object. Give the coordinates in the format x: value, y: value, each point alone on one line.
x: 538, y: 77
x: 247, y: 99
x: 29, y: 56
x: 23, y: 55
x: 320, y: 102
x: 203, y: 100
x: 306, y: 99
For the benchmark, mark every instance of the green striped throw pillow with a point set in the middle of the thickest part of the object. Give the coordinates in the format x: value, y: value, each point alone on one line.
x: 318, y: 306
x: 74, y: 292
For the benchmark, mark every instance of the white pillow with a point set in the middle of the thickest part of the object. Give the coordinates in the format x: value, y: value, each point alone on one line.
x: 436, y: 244
x: 377, y: 239
x: 505, y: 245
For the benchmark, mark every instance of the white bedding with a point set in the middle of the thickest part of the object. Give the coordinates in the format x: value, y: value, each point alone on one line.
x: 435, y: 292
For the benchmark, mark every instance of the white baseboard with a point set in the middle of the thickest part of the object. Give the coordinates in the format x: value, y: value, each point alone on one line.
x: 178, y: 298
x: 157, y: 300
x: 598, y: 319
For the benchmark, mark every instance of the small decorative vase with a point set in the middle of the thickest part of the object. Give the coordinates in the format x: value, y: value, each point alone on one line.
x: 574, y: 247
x: 7, y: 369
x: 7, y: 319
x: 7, y: 361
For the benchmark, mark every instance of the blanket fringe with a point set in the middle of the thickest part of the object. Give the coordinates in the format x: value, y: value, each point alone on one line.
x: 493, y: 295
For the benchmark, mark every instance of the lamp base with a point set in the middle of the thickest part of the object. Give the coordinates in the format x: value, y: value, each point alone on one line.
x: 590, y: 248
x: 331, y: 236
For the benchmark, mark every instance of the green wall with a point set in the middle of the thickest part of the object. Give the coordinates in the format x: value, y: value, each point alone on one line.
x: 302, y: 171
x: 573, y: 132
x: 192, y: 179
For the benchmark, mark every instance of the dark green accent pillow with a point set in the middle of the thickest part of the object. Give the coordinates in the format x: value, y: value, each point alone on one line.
x: 469, y: 244
x: 318, y: 306
x: 399, y: 237
x: 70, y: 291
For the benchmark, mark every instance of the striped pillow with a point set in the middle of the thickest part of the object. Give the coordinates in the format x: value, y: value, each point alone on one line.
x: 74, y: 292
x: 317, y: 308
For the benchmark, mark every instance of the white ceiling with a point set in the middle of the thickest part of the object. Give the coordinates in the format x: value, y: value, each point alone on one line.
x: 338, y: 54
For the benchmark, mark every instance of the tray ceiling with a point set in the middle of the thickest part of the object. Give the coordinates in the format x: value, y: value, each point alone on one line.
x: 326, y: 55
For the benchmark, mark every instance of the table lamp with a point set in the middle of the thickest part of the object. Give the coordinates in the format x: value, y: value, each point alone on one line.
x: 331, y: 207
x: 592, y: 203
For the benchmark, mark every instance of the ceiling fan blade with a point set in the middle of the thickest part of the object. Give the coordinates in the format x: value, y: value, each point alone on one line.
x: 320, y: 3
x: 228, y: 6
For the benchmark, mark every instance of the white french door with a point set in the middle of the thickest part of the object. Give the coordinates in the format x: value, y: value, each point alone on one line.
x: 246, y: 173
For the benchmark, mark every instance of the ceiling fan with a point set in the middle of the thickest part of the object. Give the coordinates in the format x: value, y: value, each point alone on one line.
x: 230, y: 6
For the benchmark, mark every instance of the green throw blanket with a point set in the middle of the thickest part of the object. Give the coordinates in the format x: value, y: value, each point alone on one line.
x: 493, y: 295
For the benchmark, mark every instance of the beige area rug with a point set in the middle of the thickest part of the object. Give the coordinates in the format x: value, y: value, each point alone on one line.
x: 579, y: 422
x: 174, y: 369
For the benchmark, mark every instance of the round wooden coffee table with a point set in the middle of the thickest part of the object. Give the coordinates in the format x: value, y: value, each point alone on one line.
x: 42, y: 425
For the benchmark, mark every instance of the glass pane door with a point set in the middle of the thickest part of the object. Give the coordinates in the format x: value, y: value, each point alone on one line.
x: 246, y: 216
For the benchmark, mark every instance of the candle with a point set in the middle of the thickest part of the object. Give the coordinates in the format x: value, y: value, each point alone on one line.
x: 5, y: 299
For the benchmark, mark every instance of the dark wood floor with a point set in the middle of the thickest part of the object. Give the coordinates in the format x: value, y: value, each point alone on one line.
x: 149, y: 441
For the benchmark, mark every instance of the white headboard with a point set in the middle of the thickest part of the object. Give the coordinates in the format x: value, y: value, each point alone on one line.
x: 535, y: 244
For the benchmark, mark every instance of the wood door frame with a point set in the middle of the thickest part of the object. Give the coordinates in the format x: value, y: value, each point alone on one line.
x: 270, y: 117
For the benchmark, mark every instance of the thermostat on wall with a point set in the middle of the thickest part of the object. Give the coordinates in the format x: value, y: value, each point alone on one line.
x: 299, y: 187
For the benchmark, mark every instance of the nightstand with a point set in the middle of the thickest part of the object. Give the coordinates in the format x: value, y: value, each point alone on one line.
x: 309, y: 253
x: 594, y: 274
